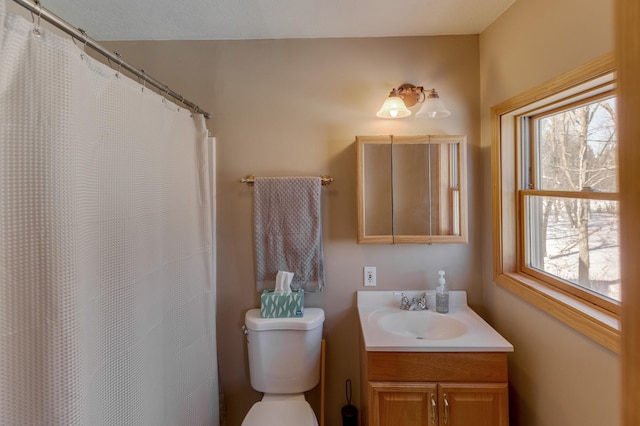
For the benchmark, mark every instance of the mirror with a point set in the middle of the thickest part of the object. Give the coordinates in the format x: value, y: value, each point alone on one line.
x: 411, y: 189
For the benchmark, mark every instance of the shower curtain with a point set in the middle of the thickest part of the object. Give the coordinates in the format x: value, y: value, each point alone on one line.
x: 107, y: 301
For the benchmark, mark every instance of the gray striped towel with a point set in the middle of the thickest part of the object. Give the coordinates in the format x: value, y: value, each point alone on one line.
x: 288, y: 231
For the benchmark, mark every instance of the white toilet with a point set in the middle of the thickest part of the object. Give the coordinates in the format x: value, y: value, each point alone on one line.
x: 284, y: 362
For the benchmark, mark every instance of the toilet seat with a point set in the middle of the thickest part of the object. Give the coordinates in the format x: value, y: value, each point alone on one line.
x: 280, y: 413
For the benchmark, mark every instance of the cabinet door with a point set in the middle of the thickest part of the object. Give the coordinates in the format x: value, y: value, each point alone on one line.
x: 477, y: 404
x: 402, y: 403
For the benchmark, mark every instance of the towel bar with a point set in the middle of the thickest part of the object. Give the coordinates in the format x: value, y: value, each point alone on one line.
x: 249, y: 179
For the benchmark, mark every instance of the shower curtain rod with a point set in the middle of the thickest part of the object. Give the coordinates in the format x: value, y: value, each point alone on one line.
x: 36, y: 8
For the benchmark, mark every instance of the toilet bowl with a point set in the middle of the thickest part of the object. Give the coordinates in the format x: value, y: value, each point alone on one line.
x: 281, y: 410
x: 284, y: 362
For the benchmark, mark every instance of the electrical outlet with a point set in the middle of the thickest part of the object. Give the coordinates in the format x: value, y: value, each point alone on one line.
x: 369, y: 276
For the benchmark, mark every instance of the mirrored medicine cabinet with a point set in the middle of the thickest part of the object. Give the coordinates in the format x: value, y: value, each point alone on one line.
x: 412, y: 189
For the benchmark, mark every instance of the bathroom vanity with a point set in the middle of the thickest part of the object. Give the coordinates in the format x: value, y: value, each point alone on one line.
x: 425, y: 368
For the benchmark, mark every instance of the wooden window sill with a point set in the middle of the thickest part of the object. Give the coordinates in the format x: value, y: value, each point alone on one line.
x: 595, y: 323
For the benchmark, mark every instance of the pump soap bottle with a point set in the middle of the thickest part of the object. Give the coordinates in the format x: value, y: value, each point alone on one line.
x: 442, y: 295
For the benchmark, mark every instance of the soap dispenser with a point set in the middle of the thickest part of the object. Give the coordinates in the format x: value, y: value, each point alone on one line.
x: 442, y: 295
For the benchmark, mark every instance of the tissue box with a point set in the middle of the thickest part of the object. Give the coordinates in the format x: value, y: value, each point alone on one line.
x: 281, y: 305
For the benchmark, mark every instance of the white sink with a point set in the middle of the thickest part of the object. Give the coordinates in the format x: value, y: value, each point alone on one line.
x: 387, y: 328
x: 418, y: 324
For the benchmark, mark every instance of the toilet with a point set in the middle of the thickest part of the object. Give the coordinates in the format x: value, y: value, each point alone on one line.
x: 284, y: 362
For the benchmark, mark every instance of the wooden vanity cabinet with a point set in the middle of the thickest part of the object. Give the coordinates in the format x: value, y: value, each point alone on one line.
x: 402, y: 403
x: 435, y: 389
x: 478, y: 404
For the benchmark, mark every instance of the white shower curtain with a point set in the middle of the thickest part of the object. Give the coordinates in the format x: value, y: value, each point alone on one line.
x: 106, y: 270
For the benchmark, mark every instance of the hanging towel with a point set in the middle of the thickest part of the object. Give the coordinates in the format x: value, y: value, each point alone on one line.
x: 288, y: 231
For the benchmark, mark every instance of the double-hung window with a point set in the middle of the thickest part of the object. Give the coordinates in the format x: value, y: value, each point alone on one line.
x: 555, y: 205
x: 568, y: 204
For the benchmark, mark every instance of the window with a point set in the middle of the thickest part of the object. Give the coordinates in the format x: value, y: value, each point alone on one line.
x: 555, y: 201
x: 569, y: 201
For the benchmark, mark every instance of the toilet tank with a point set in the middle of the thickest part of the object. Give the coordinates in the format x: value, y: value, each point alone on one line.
x: 284, y: 353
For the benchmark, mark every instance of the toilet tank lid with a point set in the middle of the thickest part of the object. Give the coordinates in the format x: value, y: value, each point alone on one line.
x: 312, y: 318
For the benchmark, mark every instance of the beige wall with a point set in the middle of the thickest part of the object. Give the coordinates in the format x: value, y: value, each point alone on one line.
x: 558, y: 377
x: 294, y: 107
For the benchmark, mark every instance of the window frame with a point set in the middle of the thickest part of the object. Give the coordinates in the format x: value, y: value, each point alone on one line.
x: 601, y: 322
x: 531, y: 145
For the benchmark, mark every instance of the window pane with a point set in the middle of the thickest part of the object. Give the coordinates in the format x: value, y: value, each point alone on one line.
x: 576, y: 240
x: 577, y: 148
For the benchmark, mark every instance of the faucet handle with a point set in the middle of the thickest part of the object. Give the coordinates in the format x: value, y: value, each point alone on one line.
x: 405, y: 304
x: 422, y: 302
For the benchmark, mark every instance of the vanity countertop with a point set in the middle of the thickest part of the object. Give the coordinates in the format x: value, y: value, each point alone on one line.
x: 387, y: 328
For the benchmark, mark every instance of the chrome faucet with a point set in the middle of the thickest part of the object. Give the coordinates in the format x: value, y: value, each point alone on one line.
x: 415, y: 304
x: 404, y: 302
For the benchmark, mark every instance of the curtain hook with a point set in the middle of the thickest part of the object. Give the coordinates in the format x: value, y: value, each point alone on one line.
x: 119, y: 65
x: 181, y: 100
x: 86, y: 40
x: 36, y: 24
x: 144, y: 80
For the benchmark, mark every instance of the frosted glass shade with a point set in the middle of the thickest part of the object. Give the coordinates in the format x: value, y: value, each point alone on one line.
x: 433, y: 107
x: 393, y: 107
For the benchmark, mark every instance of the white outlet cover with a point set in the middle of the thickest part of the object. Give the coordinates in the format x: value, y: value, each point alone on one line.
x: 369, y: 276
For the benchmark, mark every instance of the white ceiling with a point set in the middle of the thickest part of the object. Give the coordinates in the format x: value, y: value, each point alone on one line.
x: 275, y: 19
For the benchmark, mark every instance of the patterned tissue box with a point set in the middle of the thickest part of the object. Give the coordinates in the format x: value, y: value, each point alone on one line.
x: 281, y: 305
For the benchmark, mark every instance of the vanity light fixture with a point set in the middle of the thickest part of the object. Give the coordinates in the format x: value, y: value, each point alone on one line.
x: 408, y: 95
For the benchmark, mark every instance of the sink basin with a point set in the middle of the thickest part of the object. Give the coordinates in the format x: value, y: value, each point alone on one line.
x: 420, y: 324
x: 387, y: 328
